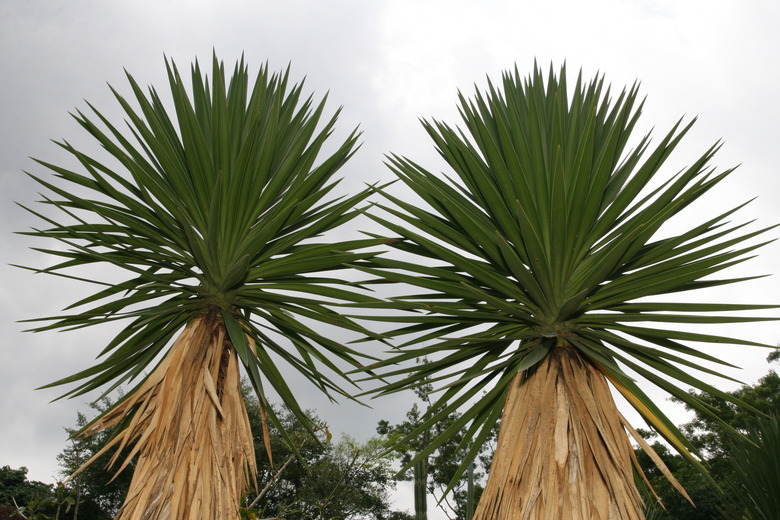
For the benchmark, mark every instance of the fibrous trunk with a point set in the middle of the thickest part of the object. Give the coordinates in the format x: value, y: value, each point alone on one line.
x: 562, y: 451
x: 189, y: 428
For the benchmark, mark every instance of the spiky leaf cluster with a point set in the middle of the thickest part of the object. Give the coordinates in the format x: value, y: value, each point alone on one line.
x: 212, y: 207
x: 547, y: 235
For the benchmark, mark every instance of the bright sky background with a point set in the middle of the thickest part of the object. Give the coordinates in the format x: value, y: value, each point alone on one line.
x: 387, y: 63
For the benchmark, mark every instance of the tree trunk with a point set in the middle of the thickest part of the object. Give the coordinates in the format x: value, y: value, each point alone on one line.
x: 191, y: 432
x: 78, y: 502
x: 562, y: 452
x: 469, y: 514
x: 421, y: 489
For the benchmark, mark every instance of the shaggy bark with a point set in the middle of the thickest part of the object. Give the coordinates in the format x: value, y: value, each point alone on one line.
x: 189, y: 427
x: 562, y: 451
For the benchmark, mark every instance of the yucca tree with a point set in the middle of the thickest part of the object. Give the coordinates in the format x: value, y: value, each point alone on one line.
x: 545, y: 267
x: 212, y: 211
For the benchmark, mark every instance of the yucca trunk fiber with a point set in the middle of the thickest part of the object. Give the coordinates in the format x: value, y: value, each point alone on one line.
x: 189, y: 427
x: 562, y: 452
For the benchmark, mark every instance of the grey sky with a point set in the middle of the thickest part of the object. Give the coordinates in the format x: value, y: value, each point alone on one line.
x: 388, y: 63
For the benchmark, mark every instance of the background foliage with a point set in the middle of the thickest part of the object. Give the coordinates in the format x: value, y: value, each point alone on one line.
x: 716, y: 441
x: 364, y: 472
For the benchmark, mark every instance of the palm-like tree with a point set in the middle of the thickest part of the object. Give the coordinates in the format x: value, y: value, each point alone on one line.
x: 537, y: 264
x: 213, y: 214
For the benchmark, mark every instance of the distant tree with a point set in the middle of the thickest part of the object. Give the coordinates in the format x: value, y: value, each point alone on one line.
x: 707, y: 498
x: 352, y: 480
x: 21, y: 498
x: 316, y: 479
x: 279, y: 479
x: 716, y: 440
x: 99, y: 490
x: 441, y: 466
x: 710, y: 435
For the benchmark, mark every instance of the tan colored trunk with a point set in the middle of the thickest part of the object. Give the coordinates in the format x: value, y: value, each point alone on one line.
x: 191, y: 432
x: 562, y: 451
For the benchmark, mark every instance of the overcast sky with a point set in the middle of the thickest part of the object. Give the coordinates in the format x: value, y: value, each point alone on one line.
x: 387, y: 63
